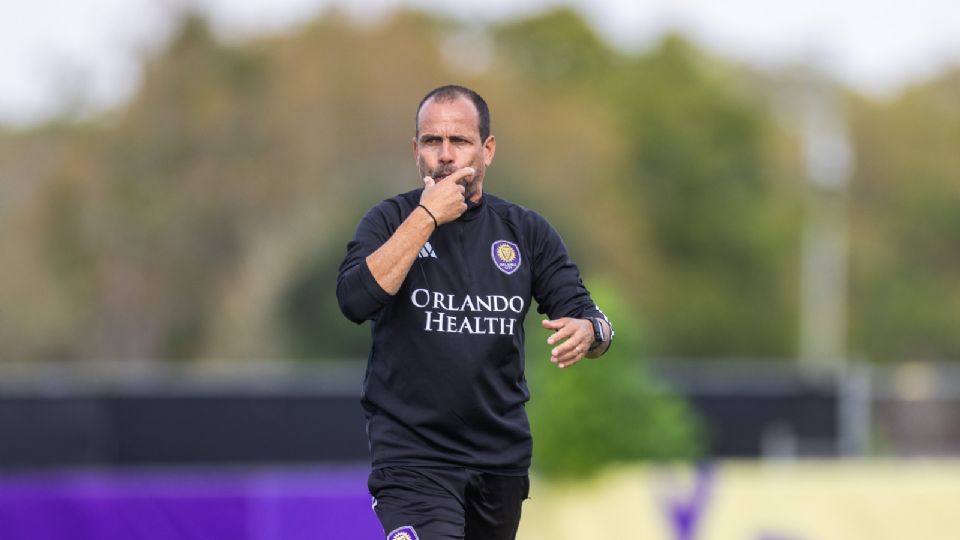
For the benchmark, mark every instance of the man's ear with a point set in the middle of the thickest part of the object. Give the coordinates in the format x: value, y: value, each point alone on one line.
x: 489, y: 149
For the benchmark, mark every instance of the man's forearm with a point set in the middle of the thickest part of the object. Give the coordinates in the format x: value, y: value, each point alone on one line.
x: 390, y: 263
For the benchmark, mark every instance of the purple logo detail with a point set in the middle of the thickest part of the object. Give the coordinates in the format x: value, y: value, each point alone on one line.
x: 686, y: 513
x: 506, y: 256
x: 403, y: 533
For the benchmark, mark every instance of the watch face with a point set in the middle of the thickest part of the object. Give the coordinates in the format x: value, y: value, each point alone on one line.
x: 597, y: 332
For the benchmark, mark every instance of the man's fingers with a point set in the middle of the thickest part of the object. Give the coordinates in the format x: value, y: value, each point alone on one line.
x: 566, y: 347
x: 461, y: 173
x: 445, y: 199
x: 570, y: 357
x: 553, y: 325
x: 429, y: 182
x: 569, y: 363
x: 571, y: 343
x: 561, y: 327
x: 560, y: 334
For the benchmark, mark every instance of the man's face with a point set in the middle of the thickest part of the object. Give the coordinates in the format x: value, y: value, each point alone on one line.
x: 449, y: 139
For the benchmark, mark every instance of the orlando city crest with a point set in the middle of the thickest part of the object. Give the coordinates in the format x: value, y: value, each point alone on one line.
x: 506, y: 256
x: 403, y: 533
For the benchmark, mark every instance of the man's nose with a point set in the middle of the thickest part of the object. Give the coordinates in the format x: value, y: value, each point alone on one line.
x: 446, y: 151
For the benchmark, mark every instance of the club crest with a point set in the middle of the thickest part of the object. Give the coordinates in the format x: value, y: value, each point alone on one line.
x: 403, y: 533
x: 506, y: 256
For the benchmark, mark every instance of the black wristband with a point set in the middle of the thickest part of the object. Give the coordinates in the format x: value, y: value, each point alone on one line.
x: 429, y: 213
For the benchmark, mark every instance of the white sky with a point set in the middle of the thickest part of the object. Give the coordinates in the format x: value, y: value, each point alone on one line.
x: 55, y: 54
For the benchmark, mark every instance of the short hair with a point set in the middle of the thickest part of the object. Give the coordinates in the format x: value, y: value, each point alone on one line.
x: 451, y: 92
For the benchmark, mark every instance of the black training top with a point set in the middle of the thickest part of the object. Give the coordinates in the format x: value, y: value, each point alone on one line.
x: 445, y: 377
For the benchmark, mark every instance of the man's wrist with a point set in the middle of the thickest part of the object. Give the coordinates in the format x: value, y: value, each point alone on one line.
x: 436, y: 225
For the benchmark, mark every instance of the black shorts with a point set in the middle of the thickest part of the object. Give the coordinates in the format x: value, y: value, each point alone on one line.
x: 418, y: 503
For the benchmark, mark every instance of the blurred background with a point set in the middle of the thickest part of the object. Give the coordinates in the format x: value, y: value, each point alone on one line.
x: 776, y: 191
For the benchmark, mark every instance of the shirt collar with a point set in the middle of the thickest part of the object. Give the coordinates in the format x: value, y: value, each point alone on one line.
x: 474, y: 209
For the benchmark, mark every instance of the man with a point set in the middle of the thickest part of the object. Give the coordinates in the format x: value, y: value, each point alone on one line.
x: 444, y: 390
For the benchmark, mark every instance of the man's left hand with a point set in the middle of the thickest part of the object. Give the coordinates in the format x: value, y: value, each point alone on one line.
x: 571, y: 340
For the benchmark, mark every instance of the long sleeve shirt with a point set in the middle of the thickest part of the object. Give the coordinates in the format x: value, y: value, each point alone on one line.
x: 445, y: 383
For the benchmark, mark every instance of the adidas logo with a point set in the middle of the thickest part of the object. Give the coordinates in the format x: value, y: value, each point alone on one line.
x: 426, y: 252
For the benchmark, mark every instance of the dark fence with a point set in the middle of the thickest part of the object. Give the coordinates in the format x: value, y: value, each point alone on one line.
x: 770, y: 409
x: 157, y: 429
x: 276, y: 412
x: 295, y: 413
x: 182, y: 414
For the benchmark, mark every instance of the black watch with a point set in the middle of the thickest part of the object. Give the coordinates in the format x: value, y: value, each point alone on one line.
x: 597, y: 334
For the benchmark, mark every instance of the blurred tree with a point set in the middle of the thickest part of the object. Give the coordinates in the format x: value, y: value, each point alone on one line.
x: 307, y: 316
x: 604, y: 411
x: 704, y: 178
x: 197, y: 220
x: 555, y: 49
x: 690, y: 196
x: 905, y: 221
x: 148, y: 228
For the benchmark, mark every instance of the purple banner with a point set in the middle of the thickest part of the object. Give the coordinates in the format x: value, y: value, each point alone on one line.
x: 187, y: 504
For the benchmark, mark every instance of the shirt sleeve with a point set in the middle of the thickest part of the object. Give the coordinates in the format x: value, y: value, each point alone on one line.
x: 360, y: 296
x: 557, y: 286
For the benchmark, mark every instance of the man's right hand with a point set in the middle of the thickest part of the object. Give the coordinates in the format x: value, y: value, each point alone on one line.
x: 445, y: 199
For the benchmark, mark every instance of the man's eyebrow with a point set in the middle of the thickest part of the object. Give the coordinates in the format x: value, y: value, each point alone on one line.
x: 452, y: 137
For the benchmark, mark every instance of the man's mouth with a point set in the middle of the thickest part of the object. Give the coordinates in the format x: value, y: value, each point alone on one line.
x: 444, y: 172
